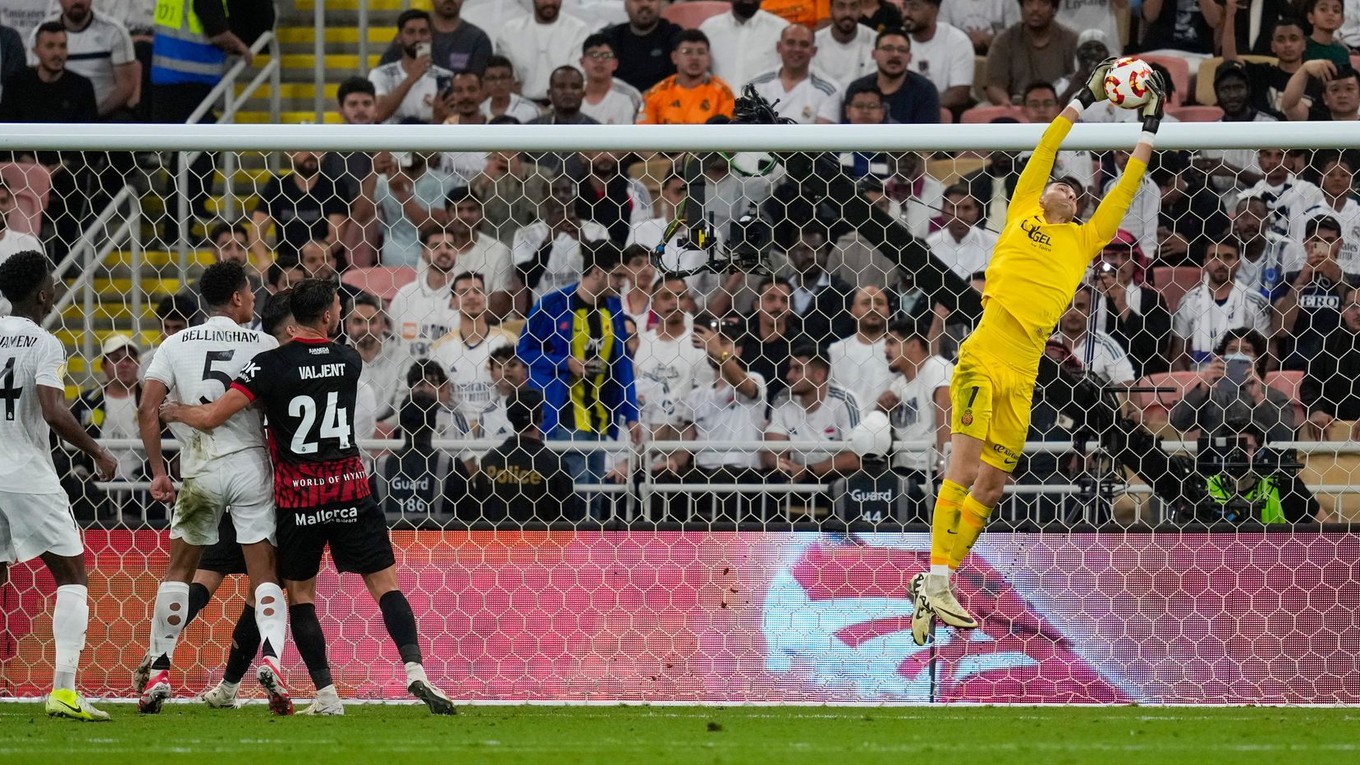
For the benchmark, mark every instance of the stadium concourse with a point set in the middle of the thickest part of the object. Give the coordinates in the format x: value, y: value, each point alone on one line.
x: 561, y: 430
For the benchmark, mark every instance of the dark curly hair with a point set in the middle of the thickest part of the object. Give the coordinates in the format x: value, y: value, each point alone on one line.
x: 220, y: 281
x: 22, y: 273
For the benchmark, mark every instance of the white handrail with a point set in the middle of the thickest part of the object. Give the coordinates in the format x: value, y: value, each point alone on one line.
x: 560, y: 138
x: 222, y: 91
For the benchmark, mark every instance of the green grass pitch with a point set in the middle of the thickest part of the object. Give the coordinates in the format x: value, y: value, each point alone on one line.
x: 389, y: 735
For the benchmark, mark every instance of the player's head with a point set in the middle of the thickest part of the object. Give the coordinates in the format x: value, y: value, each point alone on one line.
x: 26, y: 282
x: 226, y: 291
x: 316, y: 306
x: 1059, y: 202
x: 277, y: 316
x: 907, y: 345
x: 808, y: 370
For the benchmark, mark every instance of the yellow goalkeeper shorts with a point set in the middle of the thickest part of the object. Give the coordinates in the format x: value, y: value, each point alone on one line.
x: 991, y: 402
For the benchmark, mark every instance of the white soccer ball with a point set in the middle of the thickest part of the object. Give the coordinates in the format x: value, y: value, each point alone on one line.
x: 1126, y: 84
x: 872, y: 437
x: 752, y: 164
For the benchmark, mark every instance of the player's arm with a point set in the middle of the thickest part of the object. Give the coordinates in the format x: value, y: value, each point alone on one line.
x: 207, y: 416
x: 1105, y: 222
x: 149, y: 425
x: 1037, y: 170
x: 59, y: 418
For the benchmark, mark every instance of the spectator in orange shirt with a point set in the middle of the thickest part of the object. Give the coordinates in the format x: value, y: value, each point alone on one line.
x: 809, y: 13
x: 693, y: 95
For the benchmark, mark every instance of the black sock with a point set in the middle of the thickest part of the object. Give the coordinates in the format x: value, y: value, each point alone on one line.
x: 311, y: 643
x: 401, y: 625
x: 245, y: 641
x: 198, y: 598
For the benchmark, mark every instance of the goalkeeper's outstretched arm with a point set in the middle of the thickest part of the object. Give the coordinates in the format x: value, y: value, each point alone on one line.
x: 1116, y: 204
x: 1030, y: 187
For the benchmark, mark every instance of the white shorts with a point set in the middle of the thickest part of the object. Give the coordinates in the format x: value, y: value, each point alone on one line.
x: 244, y: 482
x: 33, y: 524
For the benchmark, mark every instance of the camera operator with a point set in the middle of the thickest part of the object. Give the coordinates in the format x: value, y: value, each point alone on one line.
x: 1238, y: 415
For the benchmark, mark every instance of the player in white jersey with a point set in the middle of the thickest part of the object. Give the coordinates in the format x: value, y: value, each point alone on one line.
x: 225, y: 467
x: 35, y: 514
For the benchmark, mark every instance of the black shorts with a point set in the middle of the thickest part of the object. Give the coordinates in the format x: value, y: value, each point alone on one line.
x: 356, y: 532
x: 225, y: 557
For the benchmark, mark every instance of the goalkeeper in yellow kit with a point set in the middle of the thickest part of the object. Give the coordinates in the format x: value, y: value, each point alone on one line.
x: 1039, y: 262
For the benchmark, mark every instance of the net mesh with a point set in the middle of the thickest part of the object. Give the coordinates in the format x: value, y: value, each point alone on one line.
x: 1196, y: 401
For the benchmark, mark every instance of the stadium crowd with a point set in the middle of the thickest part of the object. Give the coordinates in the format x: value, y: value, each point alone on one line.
x: 536, y: 312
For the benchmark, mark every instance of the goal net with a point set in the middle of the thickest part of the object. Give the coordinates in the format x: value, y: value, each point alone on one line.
x: 625, y: 460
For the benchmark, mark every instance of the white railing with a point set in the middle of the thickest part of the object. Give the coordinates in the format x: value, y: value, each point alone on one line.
x: 223, y: 91
x: 89, y: 255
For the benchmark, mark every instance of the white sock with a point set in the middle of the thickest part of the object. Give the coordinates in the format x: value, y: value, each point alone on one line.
x: 229, y: 687
x: 940, y: 569
x: 70, y: 620
x: 415, y: 673
x: 328, y: 694
x: 167, y: 619
x: 271, y: 616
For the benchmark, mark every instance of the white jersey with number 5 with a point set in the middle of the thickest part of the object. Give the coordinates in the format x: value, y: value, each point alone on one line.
x: 197, y: 365
x: 29, y: 356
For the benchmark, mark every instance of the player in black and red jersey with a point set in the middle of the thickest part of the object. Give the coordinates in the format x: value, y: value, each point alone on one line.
x: 308, y: 389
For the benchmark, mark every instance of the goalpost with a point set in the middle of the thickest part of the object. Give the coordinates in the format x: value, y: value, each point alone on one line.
x: 1100, y: 581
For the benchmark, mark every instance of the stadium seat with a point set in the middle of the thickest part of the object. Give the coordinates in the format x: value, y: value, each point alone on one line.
x: 1156, y: 406
x: 690, y: 15
x: 981, y: 115
x: 1204, y: 78
x: 1180, y: 75
x: 1174, y: 281
x: 1196, y: 113
x: 31, y: 185
x: 380, y: 280
x: 1289, y: 382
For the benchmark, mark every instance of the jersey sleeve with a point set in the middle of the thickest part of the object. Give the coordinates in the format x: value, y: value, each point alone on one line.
x: 1034, y: 177
x: 1104, y: 224
x: 51, y: 369
x: 162, y: 369
x: 254, y: 379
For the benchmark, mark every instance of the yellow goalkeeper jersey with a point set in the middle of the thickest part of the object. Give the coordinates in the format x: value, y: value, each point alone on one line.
x: 1037, y: 266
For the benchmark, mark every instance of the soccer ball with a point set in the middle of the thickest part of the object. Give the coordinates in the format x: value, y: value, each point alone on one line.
x: 1126, y: 83
x: 752, y: 164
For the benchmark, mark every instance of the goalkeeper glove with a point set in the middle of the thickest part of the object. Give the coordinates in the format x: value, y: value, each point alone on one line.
x: 1156, y: 104
x: 1095, y: 84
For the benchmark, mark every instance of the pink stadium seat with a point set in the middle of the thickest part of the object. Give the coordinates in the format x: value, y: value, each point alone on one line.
x: 691, y: 14
x: 1174, y: 281
x: 380, y: 280
x: 1157, y: 406
x: 1288, y: 383
x: 1196, y: 113
x: 1180, y: 75
x: 31, y: 184
x: 984, y: 114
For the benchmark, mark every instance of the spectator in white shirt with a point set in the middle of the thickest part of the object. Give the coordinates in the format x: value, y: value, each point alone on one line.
x: 1266, y: 255
x: 669, y: 364
x: 548, y: 252
x: 1337, y: 185
x: 1085, y: 349
x: 501, y: 98
x: 798, y: 91
x: 1285, y: 193
x: 423, y: 311
x: 961, y: 243
x: 939, y: 52
x: 99, y: 48
x: 917, y: 399
x: 608, y: 100
x: 845, y: 48
x: 465, y: 352
x: 385, y: 361
x: 1040, y: 104
x: 817, y: 411
x: 981, y: 20
x: 743, y: 42
x: 858, y: 362
x: 1219, y: 304
x: 541, y: 43
x: 731, y: 408
x: 479, y: 252
x: 407, y: 88
x: 1142, y: 218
